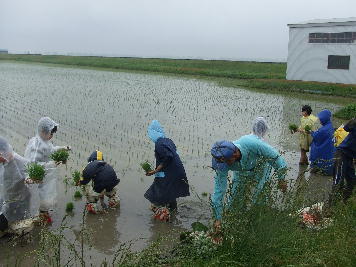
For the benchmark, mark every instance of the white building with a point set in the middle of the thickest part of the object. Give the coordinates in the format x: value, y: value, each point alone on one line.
x: 323, y: 50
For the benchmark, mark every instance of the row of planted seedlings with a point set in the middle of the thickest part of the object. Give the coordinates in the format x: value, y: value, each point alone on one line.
x: 196, y: 108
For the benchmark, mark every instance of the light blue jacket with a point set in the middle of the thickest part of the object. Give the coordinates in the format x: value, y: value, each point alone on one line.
x: 255, y: 152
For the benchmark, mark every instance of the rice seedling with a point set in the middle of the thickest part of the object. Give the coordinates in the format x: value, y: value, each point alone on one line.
x: 146, y: 166
x: 76, y: 177
x: 307, y: 128
x: 204, y: 194
x: 36, y: 172
x: 69, y: 207
x: 293, y: 128
x: 60, y: 156
x: 78, y: 194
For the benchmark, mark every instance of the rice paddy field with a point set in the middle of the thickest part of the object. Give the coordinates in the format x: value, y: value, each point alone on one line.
x: 268, y: 76
x: 110, y: 111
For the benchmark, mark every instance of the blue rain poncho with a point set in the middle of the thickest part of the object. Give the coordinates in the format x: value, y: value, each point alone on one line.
x: 322, y: 147
x: 171, y: 183
x: 257, y: 159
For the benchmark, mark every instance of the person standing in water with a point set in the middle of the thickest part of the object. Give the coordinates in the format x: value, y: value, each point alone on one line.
x: 305, y: 138
x: 248, y: 157
x: 322, y: 147
x: 39, y: 150
x: 15, y: 196
x: 170, y: 180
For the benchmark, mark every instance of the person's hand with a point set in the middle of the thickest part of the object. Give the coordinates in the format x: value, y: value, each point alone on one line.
x: 150, y: 173
x: 282, y: 185
x: 217, y: 225
x: 30, y: 181
x: 68, y: 148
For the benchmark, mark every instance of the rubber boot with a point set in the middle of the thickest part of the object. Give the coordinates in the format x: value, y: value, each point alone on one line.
x: 45, y: 218
x: 92, y: 208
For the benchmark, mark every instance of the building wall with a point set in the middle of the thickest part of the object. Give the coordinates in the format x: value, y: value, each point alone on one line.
x: 309, y: 61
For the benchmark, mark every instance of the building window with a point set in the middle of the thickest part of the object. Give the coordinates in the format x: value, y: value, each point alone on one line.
x: 338, y: 62
x: 332, y: 38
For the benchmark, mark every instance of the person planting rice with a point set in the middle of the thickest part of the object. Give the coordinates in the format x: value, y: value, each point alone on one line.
x: 39, y: 150
x: 260, y: 127
x: 307, y: 122
x: 170, y: 180
x: 15, y: 204
x: 322, y: 147
x: 103, y: 180
x: 248, y: 157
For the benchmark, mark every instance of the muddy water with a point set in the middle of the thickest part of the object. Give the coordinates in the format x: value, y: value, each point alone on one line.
x: 110, y: 111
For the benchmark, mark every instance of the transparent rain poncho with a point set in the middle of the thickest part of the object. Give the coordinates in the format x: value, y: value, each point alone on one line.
x: 260, y: 127
x: 15, y: 196
x: 39, y: 150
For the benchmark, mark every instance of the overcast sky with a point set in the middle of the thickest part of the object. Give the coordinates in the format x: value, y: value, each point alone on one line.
x: 229, y: 29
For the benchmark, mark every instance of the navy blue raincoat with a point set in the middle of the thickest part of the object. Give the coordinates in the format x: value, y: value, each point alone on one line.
x: 171, y: 183
x: 322, y: 147
x: 348, y: 146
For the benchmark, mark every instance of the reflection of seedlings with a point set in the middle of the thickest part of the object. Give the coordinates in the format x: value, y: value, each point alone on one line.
x: 69, y: 207
x: 77, y: 194
x: 61, y: 155
x: 76, y: 177
x: 204, y: 194
x: 146, y: 166
x: 293, y: 128
x: 36, y: 172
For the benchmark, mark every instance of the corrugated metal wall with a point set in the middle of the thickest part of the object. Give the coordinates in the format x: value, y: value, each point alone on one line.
x: 309, y: 61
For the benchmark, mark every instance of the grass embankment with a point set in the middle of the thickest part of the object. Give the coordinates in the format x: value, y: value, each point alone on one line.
x: 257, y: 75
x: 348, y: 112
x: 263, y: 236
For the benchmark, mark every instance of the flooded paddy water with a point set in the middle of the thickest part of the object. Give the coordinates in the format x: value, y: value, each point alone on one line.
x: 110, y: 111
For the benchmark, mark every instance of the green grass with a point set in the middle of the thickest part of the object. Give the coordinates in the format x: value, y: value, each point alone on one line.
x: 263, y: 76
x: 217, y: 68
x: 348, y: 112
x: 260, y: 235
